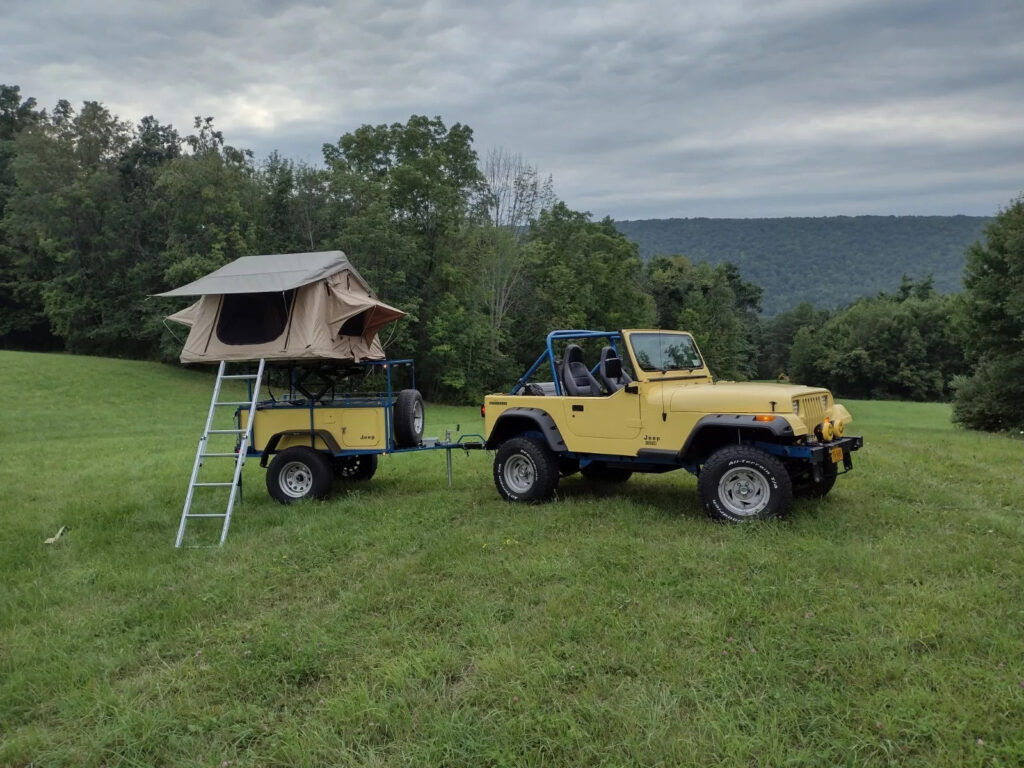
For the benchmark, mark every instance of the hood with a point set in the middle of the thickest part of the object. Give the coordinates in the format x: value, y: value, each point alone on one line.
x: 739, y: 397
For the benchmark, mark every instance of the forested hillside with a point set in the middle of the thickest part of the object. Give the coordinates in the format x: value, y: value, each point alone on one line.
x: 827, y: 261
x: 98, y: 214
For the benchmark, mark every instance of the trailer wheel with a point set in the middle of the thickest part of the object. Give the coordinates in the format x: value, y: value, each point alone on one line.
x: 408, y: 415
x: 525, y: 469
x: 299, y: 473
x: 355, y: 468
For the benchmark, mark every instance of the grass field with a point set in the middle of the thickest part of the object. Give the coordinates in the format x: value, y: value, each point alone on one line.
x: 403, y: 623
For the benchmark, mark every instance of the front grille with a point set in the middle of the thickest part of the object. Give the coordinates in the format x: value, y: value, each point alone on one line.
x: 812, y: 411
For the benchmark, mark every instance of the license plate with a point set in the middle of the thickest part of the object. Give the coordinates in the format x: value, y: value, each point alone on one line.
x: 837, y: 455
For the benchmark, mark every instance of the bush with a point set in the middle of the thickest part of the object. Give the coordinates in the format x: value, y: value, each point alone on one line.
x: 991, y: 399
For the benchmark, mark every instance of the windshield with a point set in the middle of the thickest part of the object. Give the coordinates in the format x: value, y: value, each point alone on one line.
x: 665, y: 352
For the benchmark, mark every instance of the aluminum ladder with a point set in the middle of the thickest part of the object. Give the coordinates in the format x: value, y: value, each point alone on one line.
x: 254, y: 381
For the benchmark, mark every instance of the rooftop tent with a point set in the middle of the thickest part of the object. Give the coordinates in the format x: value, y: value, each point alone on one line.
x: 293, y: 306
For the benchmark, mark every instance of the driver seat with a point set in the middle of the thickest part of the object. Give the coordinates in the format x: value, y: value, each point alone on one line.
x: 576, y: 377
x: 612, y: 385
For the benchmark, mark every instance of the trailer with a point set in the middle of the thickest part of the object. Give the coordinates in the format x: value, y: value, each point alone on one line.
x: 306, y: 324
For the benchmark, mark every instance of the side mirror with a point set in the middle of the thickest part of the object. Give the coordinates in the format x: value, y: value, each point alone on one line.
x: 632, y: 388
x: 613, y: 367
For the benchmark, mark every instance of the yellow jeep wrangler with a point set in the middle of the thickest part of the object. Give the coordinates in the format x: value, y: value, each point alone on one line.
x: 649, y: 404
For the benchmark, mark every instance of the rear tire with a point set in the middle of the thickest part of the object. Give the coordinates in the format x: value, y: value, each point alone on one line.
x: 408, y: 414
x: 526, y: 470
x: 355, y: 468
x: 299, y: 473
x: 602, y: 473
x: 741, y: 483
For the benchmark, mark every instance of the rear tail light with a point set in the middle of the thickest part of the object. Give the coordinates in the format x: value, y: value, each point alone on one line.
x: 483, y: 411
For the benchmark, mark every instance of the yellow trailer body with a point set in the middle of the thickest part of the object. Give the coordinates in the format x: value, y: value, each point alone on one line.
x: 352, y: 427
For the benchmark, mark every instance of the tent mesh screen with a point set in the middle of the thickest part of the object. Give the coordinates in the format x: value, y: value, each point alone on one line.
x: 254, y: 318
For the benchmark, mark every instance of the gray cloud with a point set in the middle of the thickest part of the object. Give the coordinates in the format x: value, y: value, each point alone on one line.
x: 638, y: 109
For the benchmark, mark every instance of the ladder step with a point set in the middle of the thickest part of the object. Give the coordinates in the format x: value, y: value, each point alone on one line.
x: 240, y: 402
x: 214, y: 455
x: 206, y: 514
x: 212, y: 485
x: 227, y: 431
x: 240, y: 376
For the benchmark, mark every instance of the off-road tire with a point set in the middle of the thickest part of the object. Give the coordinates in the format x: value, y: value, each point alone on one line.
x: 740, y: 483
x: 525, y: 470
x: 408, y: 414
x: 600, y: 472
x: 299, y: 473
x: 804, y: 486
x: 355, y: 468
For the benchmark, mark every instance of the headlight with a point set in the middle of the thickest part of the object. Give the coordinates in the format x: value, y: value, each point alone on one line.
x: 838, y: 426
x: 826, y: 430
x: 796, y: 407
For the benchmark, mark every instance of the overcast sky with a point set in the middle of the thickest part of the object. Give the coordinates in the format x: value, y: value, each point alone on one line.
x: 723, y: 108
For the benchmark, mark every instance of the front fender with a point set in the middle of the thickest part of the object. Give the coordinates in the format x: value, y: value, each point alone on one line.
x: 742, y: 425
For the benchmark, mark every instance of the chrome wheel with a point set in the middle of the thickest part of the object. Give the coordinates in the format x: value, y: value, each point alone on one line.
x: 417, y: 417
x: 744, y: 491
x: 296, y: 479
x: 519, y: 473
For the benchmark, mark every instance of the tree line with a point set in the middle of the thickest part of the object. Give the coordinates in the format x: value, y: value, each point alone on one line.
x: 98, y: 214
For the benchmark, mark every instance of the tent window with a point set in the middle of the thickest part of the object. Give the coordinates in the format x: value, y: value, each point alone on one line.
x: 354, y: 325
x: 253, y: 318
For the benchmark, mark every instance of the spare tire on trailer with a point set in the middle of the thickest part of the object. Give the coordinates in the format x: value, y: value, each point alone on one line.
x: 408, y: 418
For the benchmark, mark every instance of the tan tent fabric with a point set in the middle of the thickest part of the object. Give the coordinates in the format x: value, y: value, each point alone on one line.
x: 270, y: 272
x: 317, y: 313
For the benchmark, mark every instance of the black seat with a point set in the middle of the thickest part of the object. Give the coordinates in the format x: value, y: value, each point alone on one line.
x: 612, y: 384
x: 576, y: 377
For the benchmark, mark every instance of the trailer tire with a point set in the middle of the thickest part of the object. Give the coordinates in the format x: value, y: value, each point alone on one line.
x: 355, y: 468
x: 408, y: 415
x: 299, y: 473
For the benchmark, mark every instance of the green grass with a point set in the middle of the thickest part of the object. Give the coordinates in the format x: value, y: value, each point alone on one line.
x: 404, y: 623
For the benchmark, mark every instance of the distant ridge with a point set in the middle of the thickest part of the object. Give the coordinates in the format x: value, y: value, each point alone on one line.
x: 828, y: 261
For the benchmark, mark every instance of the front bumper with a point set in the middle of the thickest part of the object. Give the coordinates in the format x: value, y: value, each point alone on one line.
x: 822, y: 458
x: 833, y: 453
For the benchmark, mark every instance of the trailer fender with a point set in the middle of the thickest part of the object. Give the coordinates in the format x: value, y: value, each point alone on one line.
x: 516, y: 421
x: 323, y: 434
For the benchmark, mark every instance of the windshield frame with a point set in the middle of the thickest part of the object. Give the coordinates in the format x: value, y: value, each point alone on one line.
x: 651, y: 374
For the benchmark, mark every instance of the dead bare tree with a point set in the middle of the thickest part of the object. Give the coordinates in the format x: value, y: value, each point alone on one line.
x: 516, y: 194
x: 516, y: 191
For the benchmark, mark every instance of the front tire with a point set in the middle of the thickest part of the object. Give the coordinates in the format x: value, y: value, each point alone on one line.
x: 525, y: 469
x: 299, y: 473
x: 741, y: 483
